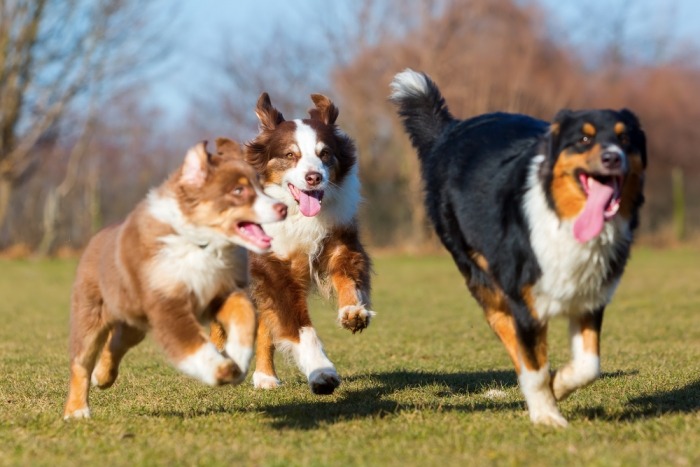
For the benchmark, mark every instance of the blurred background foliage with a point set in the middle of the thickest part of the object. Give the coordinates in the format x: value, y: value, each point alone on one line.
x: 81, y: 141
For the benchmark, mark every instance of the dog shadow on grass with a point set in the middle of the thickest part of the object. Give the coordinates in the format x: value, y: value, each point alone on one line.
x: 461, y: 392
x: 383, y: 397
x: 678, y: 401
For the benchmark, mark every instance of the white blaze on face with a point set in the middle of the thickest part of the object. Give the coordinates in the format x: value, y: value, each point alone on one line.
x: 309, y: 148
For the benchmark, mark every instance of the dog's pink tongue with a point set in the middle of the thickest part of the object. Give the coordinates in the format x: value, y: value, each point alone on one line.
x: 309, y: 203
x: 590, y: 222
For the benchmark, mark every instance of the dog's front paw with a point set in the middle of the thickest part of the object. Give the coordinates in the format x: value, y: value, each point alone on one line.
x: 241, y: 355
x: 324, y: 381
x: 210, y: 367
x: 103, y: 377
x: 354, y: 317
x: 76, y: 414
x: 228, y: 373
x: 548, y: 417
x: 263, y: 381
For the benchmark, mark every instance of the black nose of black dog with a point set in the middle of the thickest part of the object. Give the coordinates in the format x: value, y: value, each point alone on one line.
x: 611, y: 160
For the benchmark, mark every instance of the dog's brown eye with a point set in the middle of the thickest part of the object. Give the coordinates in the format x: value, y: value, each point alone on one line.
x: 238, y: 191
x: 585, y: 141
x: 624, y: 139
x: 325, y: 155
x: 289, y: 155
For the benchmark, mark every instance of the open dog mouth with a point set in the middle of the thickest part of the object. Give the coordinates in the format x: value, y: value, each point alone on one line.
x: 309, y: 201
x: 254, y: 234
x: 603, y: 196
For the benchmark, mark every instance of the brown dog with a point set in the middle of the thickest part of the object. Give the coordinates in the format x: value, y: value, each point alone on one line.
x: 311, y: 165
x: 178, y: 260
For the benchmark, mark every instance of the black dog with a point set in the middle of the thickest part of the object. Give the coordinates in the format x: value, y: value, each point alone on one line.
x: 538, y: 218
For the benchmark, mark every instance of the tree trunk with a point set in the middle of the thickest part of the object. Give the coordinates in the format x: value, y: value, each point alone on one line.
x: 56, y: 195
x: 678, y: 204
x: 50, y: 215
x: 5, y: 195
x: 93, y: 195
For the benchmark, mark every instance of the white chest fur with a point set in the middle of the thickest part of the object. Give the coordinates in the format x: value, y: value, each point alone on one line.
x: 204, y: 270
x: 303, y: 234
x: 197, y: 258
x: 574, y: 276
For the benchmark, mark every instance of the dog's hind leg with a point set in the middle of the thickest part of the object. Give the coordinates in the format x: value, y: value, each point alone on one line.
x: 265, y: 376
x: 122, y: 338
x: 503, y: 325
x: 500, y: 319
x: 584, y: 367
x: 237, y: 317
x: 88, y: 335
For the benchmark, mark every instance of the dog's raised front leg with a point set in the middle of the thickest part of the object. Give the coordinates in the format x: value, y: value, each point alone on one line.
x: 122, y: 338
x: 179, y: 333
x: 237, y: 317
x: 349, y: 269
x: 88, y: 335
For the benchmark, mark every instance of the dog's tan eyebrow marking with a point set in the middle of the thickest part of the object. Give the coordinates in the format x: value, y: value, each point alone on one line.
x: 620, y: 128
x: 243, y: 181
x: 588, y: 129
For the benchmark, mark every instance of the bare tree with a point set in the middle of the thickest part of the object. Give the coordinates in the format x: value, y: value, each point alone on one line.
x: 56, y: 195
x: 51, y: 53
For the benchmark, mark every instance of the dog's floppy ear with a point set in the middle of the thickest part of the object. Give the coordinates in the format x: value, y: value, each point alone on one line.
x: 196, y: 166
x: 228, y: 149
x: 325, y: 110
x: 554, y: 133
x: 269, y: 116
x: 561, y: 117
x: 630, y: 118
x: 639, y: 139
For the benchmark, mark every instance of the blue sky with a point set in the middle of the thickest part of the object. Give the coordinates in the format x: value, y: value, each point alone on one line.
x: 203, y: 26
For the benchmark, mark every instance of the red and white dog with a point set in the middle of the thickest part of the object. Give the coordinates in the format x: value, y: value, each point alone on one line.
x: 312, y: 166
x: 178, y: 260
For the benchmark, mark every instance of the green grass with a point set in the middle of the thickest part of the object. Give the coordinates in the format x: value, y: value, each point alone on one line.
x: 416, y: 385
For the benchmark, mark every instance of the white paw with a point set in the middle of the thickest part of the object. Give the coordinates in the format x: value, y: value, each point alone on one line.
x: 241, y: 356
x: 78, y: 414
x: 548, y: 418
x: 540, y: 400
x: 263, y: 381
x: 210, y: 367
x: 324, y: 381
x: 101, y: 378
x: 93, y: 379
x: 355, y: 317
x: 579, y: 373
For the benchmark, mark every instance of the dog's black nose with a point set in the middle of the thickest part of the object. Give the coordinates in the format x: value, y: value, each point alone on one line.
x: 313, y: 178
x: 611, y: 160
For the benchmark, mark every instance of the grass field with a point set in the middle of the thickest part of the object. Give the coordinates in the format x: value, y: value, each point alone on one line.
x: 426, y: 384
